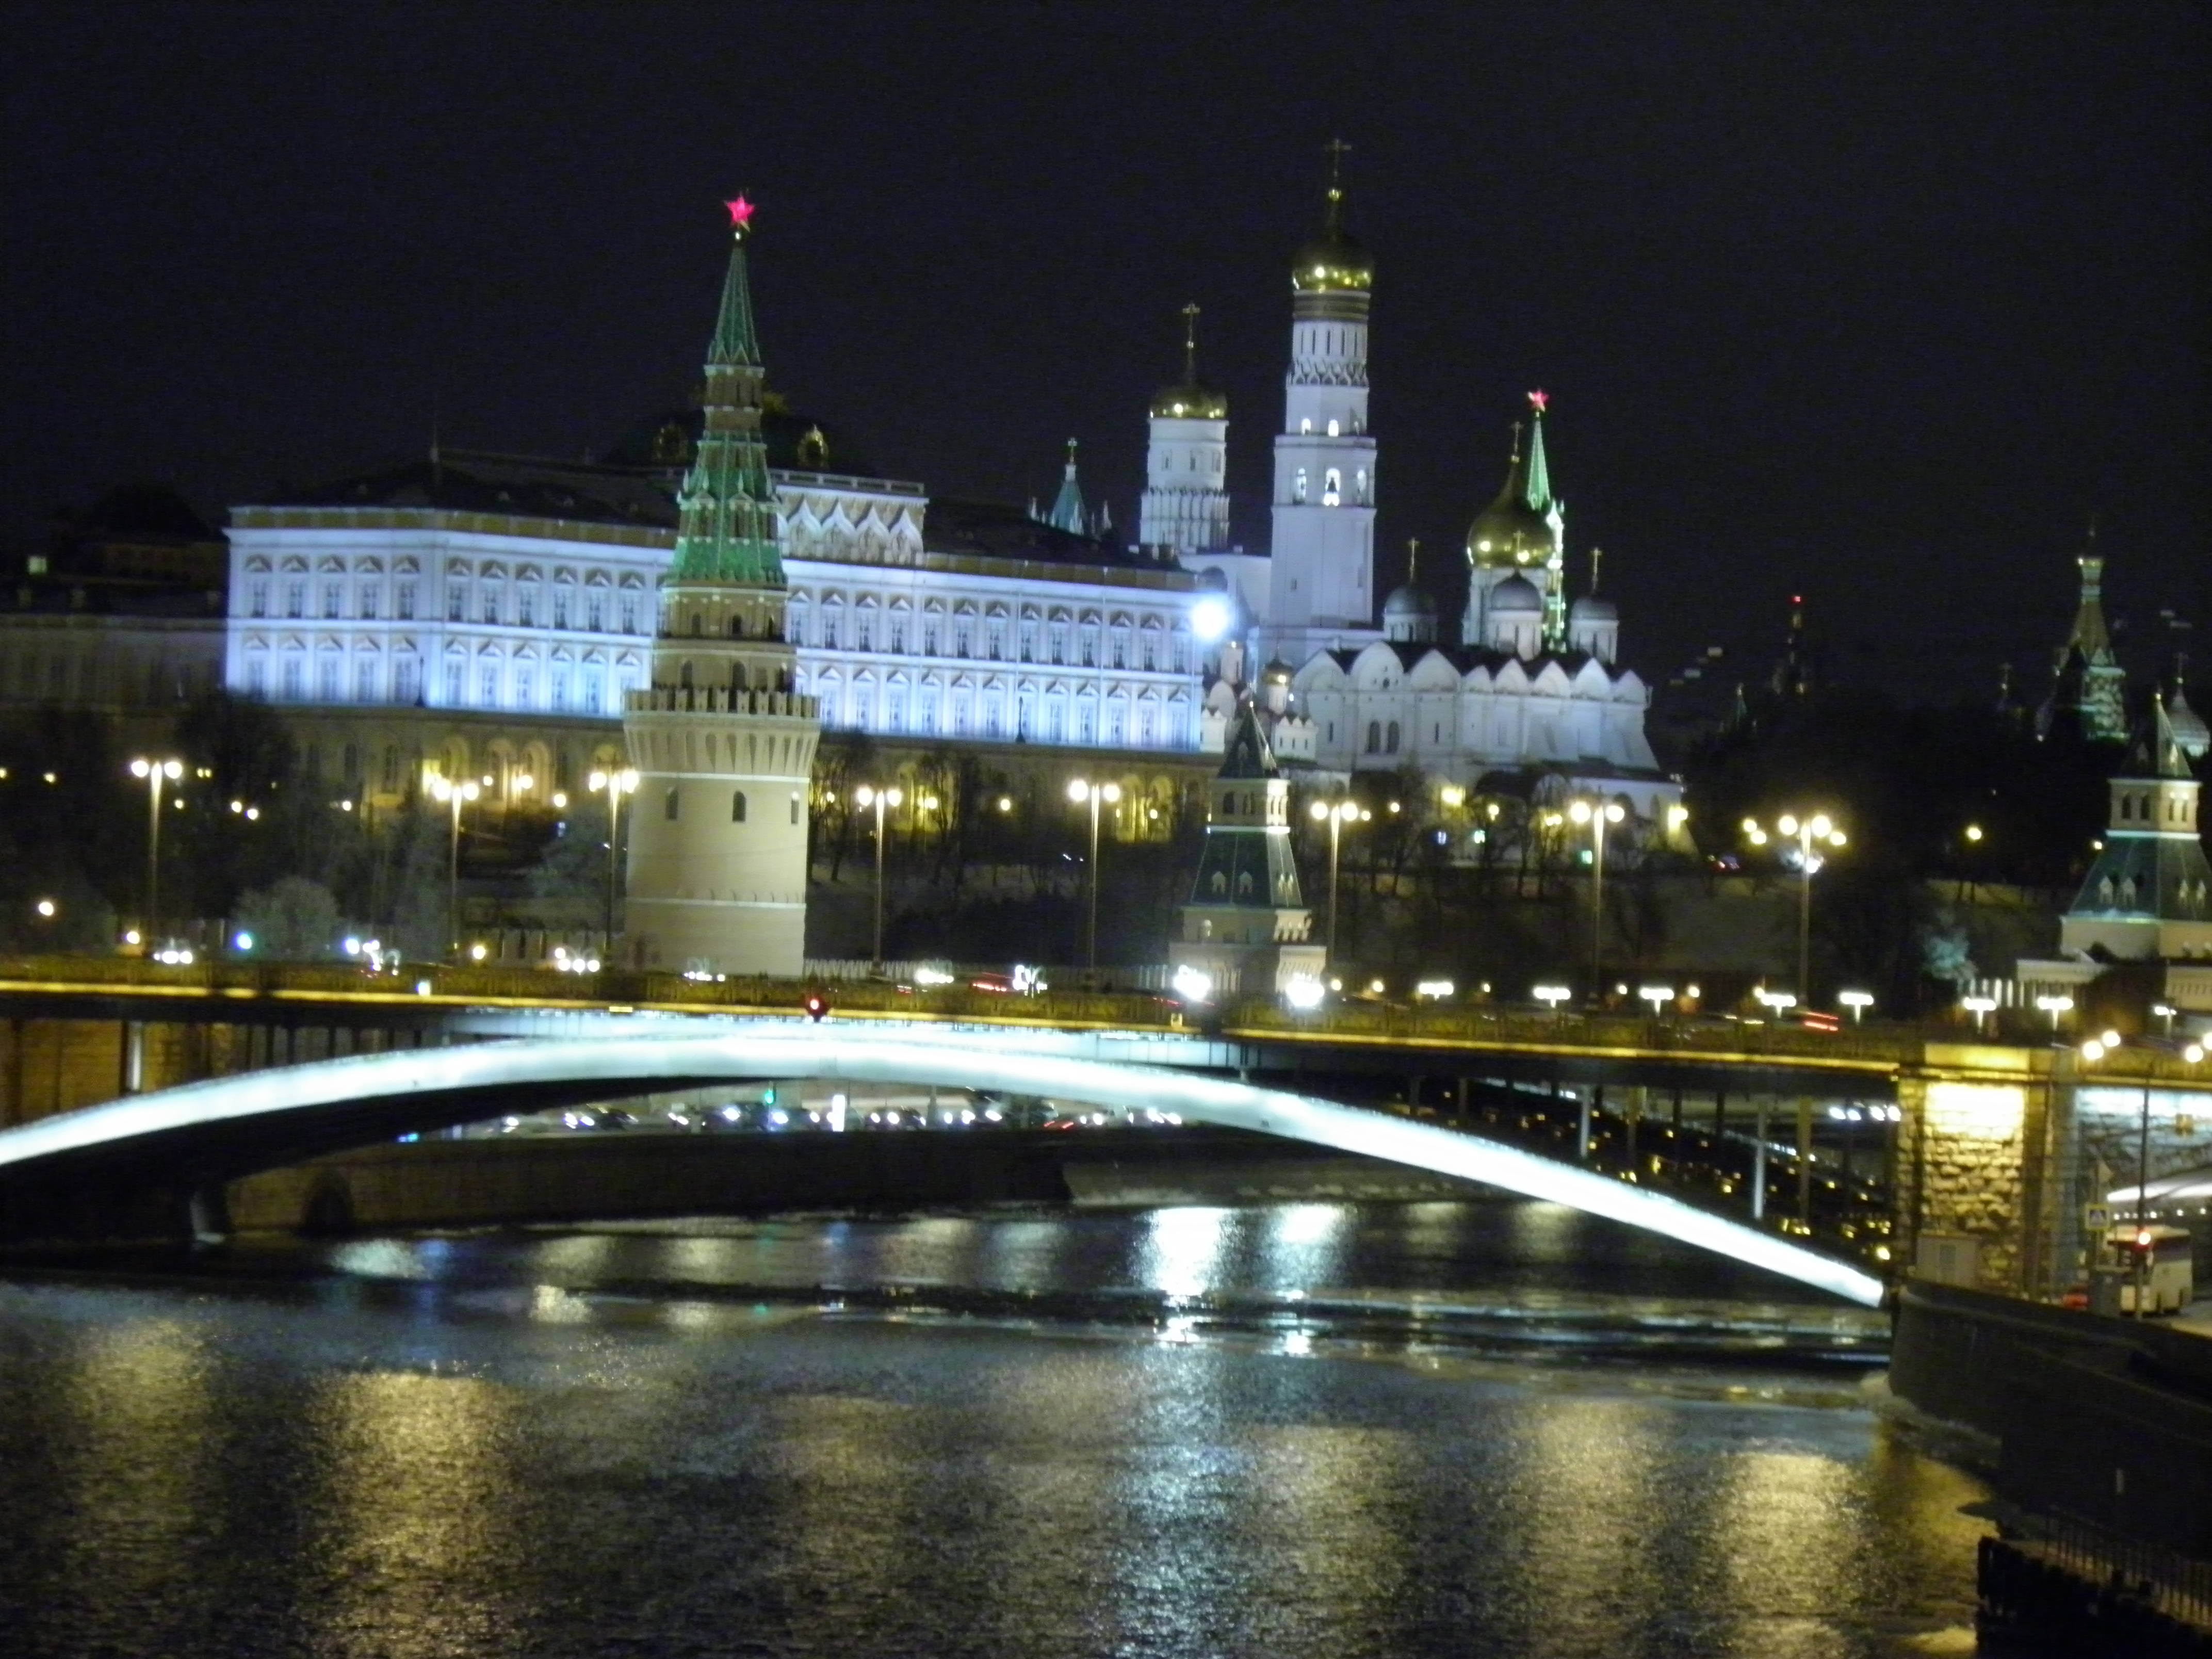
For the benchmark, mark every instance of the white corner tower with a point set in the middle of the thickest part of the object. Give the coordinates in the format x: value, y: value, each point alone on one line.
x: 723, y: 746
x: 1321, y: 587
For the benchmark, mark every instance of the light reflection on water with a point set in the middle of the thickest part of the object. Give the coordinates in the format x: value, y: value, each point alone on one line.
x: 579, y: 1446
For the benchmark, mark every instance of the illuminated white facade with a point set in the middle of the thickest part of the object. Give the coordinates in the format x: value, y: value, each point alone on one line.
x: 428, y: 601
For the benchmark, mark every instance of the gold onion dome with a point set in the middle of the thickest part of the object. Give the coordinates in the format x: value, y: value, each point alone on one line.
x: 1333, y: 263
x: 1189, y: 402
x: 1514, y: 529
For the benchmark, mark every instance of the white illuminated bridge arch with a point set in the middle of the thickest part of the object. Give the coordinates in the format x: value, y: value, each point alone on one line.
x: 234, y: 1125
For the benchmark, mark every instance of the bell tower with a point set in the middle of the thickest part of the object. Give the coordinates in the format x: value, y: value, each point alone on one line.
x: 1322, y: 585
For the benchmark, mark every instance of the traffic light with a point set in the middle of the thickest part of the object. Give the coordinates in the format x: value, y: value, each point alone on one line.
x: 768, y: 1096
x: 816, y: 1006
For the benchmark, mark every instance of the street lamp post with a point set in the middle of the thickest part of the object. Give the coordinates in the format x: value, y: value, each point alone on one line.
x: 868, y: 795
x: 1597, y: 814
x: 1336, y: 814
x: 614, y: 785
x: 1080, y: 791
x: 454, y: 794
x: 155, y: 771
x: 1809, y: 833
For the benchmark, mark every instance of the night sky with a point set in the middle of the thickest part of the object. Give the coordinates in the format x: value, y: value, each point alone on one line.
x: 1874, y: 302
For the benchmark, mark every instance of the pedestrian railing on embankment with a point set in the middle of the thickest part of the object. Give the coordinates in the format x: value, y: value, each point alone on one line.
x: 2115, y: 1576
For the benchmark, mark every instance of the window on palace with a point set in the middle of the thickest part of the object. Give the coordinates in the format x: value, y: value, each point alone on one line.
x: 670, y: 803
x: 628, y: 615
x: 595, y: 616
x: 455, y: 599
x: 737, y: 807
x: 295, y: 598
x: 525, y: 609
x: 560, y: 607
x: 260, y: 600
x: 1373, y: 737
x: 794, y: 809
x: 369, y: 602
x: 333, y: 601
x: 406, y: 608
x: 1390, y: 742
x: 488, y: 684
x: 453, y: 674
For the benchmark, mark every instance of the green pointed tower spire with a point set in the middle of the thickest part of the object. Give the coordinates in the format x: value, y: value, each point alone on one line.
x: 1537, y: 485
x: 726, y: 517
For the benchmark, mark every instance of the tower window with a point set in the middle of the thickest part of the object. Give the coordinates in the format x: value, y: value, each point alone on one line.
x: 1334, y: 430
x: 1373, y: 737
x: 1390, y: 739
x: 1305, y: 427
x: 737, y: 806
x: 1332, y: 487
x: 794, y: 809
x: 1298, y: 489
x: 670, y: 803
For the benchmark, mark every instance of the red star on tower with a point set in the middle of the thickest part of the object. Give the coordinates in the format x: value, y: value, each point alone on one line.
x: 1540, y: 401
x: 741, y: 214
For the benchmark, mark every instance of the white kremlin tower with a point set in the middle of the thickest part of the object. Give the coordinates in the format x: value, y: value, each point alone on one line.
x: 1185, y: 510
x: 1322, y: 590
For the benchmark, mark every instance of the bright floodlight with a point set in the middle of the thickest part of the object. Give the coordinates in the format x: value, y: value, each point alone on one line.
x: 1822, y: 827
x: 1079, y: 790
x: 2093, y: 1049
x: 2194, y: 1053
x: 1552, y: 995
x: 1303, y: 993
x: 1786, y: 824
x: 1656, y: 995
x: 1614, y: 812
x: 1319, y: 810
x: 1579, y: 811
x: 1209, y: 619
x: 1191, y: 984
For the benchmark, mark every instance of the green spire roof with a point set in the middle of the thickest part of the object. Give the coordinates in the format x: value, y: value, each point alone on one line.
x: 726, y: 520
x: 1537, y: 489
x: 1067, y: 512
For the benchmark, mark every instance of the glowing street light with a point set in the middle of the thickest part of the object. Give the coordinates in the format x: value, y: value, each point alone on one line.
x: 155, y: 771
x: 1552, y: 995
x: 454, y: 794
x: 1978, y: 1008
x: 1336, y: 814
x: 614, y: 786
x: 1857, y: 1001
x: 2054, y: 1006
x: 1810, y: 834
x: 1657, y: 995
x: 1596, y: 814
x: 1082, y: 790
x: 868, y: 795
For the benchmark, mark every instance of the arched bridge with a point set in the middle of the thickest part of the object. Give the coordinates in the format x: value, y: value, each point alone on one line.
x: 60, y: 1172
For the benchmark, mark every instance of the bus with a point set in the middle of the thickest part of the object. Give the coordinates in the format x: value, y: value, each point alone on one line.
x: 2160, y: 1256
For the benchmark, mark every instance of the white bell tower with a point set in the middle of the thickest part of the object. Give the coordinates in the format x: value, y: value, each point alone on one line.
x: 1322, y: 587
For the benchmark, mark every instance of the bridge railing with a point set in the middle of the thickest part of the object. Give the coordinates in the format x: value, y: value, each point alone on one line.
x: 1875, y: 1046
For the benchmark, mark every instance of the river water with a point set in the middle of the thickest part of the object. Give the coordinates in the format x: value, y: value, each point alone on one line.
x: 1496, y: 1428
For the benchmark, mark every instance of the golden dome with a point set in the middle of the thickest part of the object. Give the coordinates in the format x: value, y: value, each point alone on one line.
x: 1189, y: 402
x: 1332, y: 262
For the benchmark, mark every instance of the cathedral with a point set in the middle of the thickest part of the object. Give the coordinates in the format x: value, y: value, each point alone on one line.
x: 1530, y: 688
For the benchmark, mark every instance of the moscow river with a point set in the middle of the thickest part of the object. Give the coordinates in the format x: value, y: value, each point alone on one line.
x: 1461, y: 1427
